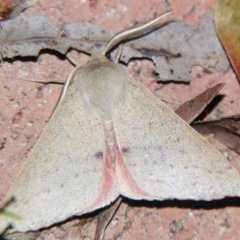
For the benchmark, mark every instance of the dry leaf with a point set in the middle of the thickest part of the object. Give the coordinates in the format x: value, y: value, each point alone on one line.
x: 191, y: 109
x: 226, y: 130
x: 174, y: 48
x: 227, y: 18
x: 12, y: 8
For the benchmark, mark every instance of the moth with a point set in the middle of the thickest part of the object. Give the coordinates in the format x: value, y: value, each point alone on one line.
x: 111, y: 137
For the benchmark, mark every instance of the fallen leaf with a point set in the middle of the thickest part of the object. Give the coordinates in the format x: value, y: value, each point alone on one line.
x: 191, y: 109
x: 227, y: 19
x: 174, y: 48
x: 12, y: 8
x: 6, y: 6
x: 226, y: 130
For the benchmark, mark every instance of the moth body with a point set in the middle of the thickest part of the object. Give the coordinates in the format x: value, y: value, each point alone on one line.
x: 100, y: 87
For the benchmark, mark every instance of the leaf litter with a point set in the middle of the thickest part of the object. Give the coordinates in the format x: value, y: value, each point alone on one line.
x: 174, y: 48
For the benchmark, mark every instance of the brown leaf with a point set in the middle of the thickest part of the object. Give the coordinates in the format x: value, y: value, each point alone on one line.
x: 105, y: 217
x: 227, y: 19
x: 6, y: 6
x: 191, y: 109
x: 12, y: 8
x: 226, y: 130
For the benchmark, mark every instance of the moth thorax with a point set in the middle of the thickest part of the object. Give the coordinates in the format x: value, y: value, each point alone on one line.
x: 101, y: 84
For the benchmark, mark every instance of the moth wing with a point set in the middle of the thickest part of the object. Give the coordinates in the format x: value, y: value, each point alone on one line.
x: 64, y: 174
x: 162, y: 157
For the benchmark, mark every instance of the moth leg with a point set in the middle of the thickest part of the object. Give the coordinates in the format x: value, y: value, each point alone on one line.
x: 119, y: 53
x: 105, y: 217
x: 71, y: 59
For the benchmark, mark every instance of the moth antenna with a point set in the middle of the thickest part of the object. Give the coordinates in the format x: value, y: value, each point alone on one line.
x: 115, y: 40
x: 64, y: 90
x: 66, y: 84
x: 70, y: 76
x: 126, y: 33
